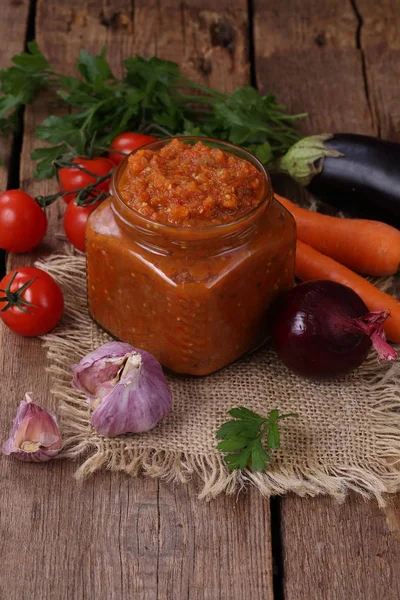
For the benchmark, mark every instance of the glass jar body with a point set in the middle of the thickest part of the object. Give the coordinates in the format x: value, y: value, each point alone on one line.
x: 197, y: 305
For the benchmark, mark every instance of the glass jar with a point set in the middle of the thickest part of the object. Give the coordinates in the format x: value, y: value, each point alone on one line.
x: 196, y: 297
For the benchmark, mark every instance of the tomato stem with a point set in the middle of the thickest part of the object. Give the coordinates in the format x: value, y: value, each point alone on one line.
x: 62, y: 164
x: 86, y: 196
x: 107, y: 149
x: 15, y: 298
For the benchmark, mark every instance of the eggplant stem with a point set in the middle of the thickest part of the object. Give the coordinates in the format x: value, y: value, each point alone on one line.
x: 305, y: 158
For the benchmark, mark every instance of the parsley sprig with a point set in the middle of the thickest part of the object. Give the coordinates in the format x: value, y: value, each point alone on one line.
x: 152, y: 95
x: 246, y: 438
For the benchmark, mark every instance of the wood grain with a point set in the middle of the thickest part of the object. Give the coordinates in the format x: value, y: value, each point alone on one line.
x: 214, y: 551
x: 114, y: 538
x: 335, y: 551
x: 379, y: 41
x: 313, y: 59
x: 13, y: 17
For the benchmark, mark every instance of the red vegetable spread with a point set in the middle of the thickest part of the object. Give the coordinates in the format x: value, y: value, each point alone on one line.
x: 195, y: 296
x: 190, y: 185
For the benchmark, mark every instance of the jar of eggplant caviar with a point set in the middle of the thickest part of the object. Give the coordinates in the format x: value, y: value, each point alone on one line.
x: 188, y: 253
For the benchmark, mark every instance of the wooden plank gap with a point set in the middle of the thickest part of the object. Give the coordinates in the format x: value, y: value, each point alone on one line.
x: 13, y: 180
x: 277, y: 548
x: 251, y: 49
x: 360, y: 24
x: 17, y: 137
x: 158, y: 539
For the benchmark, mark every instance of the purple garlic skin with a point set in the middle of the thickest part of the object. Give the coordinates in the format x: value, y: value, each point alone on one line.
x: 98, y: 367
x: 127, y: 387
x: 35, y: 436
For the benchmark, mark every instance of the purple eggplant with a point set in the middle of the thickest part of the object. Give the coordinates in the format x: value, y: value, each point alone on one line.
x: 355, y: 173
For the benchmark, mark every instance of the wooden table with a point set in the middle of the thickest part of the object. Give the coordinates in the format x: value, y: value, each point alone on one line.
x: 115, y: 538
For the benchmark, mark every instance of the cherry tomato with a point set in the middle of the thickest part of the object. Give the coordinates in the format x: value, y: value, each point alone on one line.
x: 75, y: 220
x: 23, y: 223
x: 127, y: 143
x: 35, y: 301
x: 72, y: 178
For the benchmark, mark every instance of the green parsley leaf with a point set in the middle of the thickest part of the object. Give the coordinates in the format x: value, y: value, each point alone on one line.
x: 63, y: 129
x: 273, y: 438
x: 239, y: 460
x: 244, y: 413
x: 259, y: 457
x: 244, y: 438
x: 152, y: 70
x: 234, y: 443
x: 247, y: 429
x: 152, y: 94
x: 46, y: 157
x: 263, y: 152
x: 78, y: 98
x: 94, y: 69
x: 273, y: 416
x: 20, y: 83
x: 32, y: 61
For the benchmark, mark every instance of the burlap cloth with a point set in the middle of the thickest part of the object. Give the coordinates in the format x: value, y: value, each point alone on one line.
x: 347, y: 435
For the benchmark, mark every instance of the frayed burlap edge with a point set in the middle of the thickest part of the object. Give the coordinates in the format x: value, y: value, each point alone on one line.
x: 370, y: 479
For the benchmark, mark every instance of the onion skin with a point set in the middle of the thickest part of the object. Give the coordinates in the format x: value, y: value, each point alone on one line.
x: 313, y: 332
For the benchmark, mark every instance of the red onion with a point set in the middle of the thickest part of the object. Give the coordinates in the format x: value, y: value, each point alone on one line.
x: 323, y: 329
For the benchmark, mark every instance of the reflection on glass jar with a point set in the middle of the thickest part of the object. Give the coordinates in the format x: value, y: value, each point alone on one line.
x: 195, y: 297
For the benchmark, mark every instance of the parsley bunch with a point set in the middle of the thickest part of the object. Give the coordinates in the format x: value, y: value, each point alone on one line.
x: 245, y: 438
x: 152, y: 96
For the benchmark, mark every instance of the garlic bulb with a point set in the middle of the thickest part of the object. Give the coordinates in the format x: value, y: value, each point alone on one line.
x: 126, y: 386
x: 35, y: 435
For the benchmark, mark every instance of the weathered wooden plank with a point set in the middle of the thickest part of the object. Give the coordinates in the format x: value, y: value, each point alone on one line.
x: 309, y: 55
x: 216, y: 550
x: 115, y: 538
x: 379, y: 41
x: 306, y: 54
x: 335, y: 551
x: 13, y: 25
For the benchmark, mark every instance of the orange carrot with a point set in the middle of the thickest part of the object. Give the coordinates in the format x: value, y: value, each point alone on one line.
x: 311, y: 265
x: 368, y: 247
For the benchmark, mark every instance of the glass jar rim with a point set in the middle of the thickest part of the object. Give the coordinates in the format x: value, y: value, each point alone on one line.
x: 265, y: 201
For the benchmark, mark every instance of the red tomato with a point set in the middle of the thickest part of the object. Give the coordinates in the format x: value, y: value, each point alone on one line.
x: 34, y: 310
x: 75, y: 219
x: 72, y: 178
x: 127, y: 143
x: 23, y: 223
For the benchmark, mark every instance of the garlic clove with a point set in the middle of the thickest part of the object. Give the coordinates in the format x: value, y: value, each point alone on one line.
x: 131, y: 369
x: 126, y: 386
x: 99, y: 367
x: 99, y: 372
x: 35, y: 435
